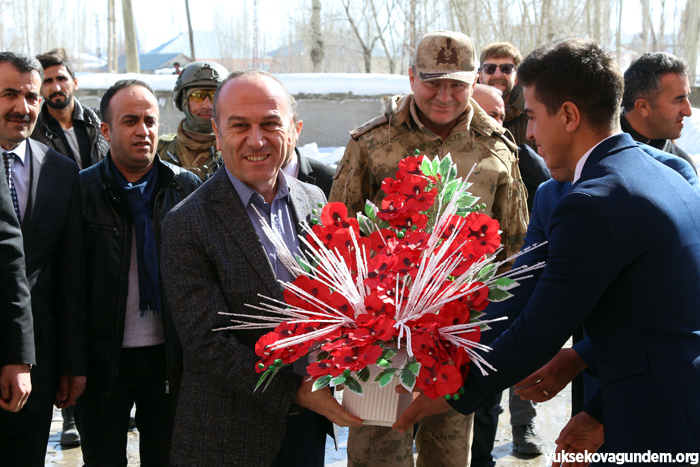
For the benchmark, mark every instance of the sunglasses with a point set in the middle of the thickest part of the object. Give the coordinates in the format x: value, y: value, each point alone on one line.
x: 200, y: 94
x: 490, y: 68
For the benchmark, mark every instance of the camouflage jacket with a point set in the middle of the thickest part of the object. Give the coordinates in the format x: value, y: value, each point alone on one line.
x: 199, y: 157
x: 376, y: 148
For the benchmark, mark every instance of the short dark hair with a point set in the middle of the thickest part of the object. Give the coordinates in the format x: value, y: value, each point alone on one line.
x: 578, y: 71
x: 56, y: 57
x: 501, y: 50
x: 24, y: 63
x: 643, y: 77
x: 239, y: 74
x: 105, y: 103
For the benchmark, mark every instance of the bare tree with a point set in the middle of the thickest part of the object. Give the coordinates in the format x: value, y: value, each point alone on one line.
x: 193, y: 56
x: 317, y: 50
x: 692, y: 31
x: 366, y: 40
x: 132, y: 52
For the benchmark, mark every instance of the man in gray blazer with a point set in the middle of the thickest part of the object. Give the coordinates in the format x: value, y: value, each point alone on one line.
x: 215, y: 258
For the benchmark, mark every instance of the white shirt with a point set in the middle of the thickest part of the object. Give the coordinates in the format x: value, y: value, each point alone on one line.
x: 581, y: 162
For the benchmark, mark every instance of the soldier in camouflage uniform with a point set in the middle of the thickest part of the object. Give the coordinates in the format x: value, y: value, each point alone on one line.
x: 193, y: 147
x: 437, y: 118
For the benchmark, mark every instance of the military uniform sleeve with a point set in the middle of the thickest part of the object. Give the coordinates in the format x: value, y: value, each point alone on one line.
x: 350, y: 182
x: 510, y: 209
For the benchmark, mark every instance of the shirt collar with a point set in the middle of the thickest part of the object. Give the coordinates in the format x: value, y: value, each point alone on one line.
x: 20, y: 151
x: 581, y: 162
x: 292, y: 169
x: 246, y: 193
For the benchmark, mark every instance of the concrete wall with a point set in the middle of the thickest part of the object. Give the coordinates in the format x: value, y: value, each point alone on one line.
x: 328, y: 119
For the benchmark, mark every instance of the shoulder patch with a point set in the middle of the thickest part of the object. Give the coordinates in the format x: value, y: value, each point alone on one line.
x: 365, y: 127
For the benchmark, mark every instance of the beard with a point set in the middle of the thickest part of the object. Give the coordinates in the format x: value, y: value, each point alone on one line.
x: 60, y: 104
x: 503, y: 82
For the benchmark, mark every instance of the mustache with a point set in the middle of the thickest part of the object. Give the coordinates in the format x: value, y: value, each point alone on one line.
x: 18, y: 116
x: 59, y: 93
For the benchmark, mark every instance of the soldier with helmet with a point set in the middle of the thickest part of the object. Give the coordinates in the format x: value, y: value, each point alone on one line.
x: 193, y: 147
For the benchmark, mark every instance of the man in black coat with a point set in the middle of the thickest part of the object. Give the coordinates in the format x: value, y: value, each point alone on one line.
x: 47, y: 200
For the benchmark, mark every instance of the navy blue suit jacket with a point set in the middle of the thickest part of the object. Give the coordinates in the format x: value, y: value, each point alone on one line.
x: 623, y: 258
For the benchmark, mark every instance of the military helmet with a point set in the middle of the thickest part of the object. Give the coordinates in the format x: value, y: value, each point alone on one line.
x: 198, y: 75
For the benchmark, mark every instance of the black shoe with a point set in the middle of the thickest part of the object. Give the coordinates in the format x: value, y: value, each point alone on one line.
x: 69, y: 433
x: 525, y: 440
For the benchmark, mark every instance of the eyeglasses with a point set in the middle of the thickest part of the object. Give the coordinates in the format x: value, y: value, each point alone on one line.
x: 200, y: 94
x: 490, y: 68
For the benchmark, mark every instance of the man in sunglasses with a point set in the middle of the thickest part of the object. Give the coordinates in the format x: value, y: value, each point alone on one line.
x: 193, y: 147
x: 499, y: 66
x: 438, y: 117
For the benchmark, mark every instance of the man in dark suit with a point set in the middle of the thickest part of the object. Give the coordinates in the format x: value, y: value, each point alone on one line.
x: 625, y: 218
x: 48, y: 202
x: 216, y: 259
x: 16, y: 328
x: 304, y: 168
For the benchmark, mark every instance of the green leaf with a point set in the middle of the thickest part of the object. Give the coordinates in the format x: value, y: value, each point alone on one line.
x: 449, y: 190
x: 414, y: 368
x: 353, y: 385
x: 385, y: 379
x: 504, y: 283
x: 363, y: 375
x: 389, y: 353
x: 435, y: 165
x: 475, y: 314
x: 303, y: 264
x: 371, y: 209
x: 465, y: 200
x: 384, y: 363
x: 486, y: 273
x: 426, y: 167
x: 408, y: 379
x: 366, y: 225
x: 444, y: 167
x: 262, y: 379
x: 322, y: 356
x: 498, y: 295
x: 321, y: 383
x: 338, y: 380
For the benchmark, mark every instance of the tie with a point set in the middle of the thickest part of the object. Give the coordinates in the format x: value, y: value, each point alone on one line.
x: 9, y: 159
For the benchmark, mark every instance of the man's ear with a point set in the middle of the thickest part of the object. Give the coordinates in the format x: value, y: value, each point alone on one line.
x: 216, y: 134
x: 75, y: 84
x: 643, y: 107
x: 571, y: 116
x: 300, y: 124
x: 411, y: 76
x: 104, y: 129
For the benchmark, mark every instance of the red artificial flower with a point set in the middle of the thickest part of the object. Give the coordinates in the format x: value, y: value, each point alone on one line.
x: 313, y: 287
x: 410, y: 166
x: 392, y: 204
x: 379, y: 304
x: 373, y: 328
x: 263, y: 348
x: 484, y: 231
x: 438, y: 381
x: 416, y: 198
x: 407, y: 262
x: 478, y: 297
x: 355, y: 358
x: 334, y: 214
x: 383, y: 241
x: 389, y: 186
x: 379, y: 270
x: 406, y: 220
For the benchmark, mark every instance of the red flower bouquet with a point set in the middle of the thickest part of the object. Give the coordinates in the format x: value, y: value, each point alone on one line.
x: 411, y: 276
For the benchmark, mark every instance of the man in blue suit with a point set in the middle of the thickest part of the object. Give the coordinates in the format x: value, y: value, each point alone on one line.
x: 624, y: 259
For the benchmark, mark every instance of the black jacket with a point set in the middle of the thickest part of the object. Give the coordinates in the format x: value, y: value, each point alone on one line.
x: 665, y: 145
x: 49, y: 132
x: 108, y: 231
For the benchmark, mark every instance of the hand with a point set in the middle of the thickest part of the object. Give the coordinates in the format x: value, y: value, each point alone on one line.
x: 15, y: 386
x: 323, y: 403
x: 582, y: 433
x: 69, y: 389
x: 549, y: 380
x: 421, y: 407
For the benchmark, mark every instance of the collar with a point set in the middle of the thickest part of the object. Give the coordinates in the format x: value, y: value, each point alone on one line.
x: 246, y: 193
x: 581, y: 162
x: 292, y: 168
x: 20, y: 151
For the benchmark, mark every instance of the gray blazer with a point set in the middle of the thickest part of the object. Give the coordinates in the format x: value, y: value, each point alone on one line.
x: 213, y: 261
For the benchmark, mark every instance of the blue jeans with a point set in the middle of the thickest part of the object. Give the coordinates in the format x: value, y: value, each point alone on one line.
x: 103, y: 421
